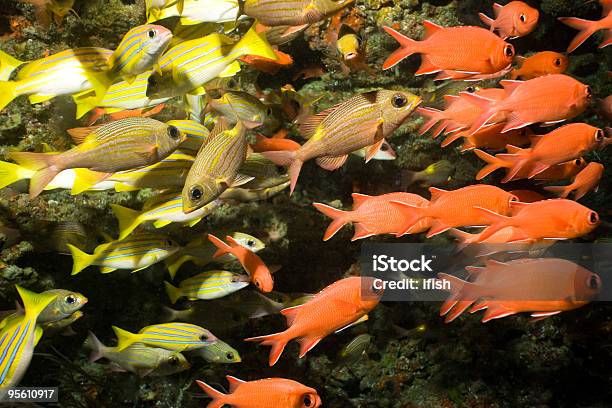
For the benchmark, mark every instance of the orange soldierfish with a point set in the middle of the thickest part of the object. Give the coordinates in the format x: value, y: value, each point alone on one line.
x: 540, y: 64
x: 587, y: 27
x: 585, y: 181
x: 542, y: 286
x: 465, y: 49
x: 374, y: 215
x: 457, y: 208
x: 363, y: 120
x: 548, y: 99
x: 266, y: 393
x: 459, y: 113
x: 501, y: 241
x: 342, y: 304
x: 547, y: 219
x: 255, y: 267
x: 515, y: 19
x: 562, y: 144
x: 560, y: 171
x: 272, y: 144
x: 490, y: 137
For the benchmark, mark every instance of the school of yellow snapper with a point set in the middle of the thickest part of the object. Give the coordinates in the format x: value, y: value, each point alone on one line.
x: 197, y: 163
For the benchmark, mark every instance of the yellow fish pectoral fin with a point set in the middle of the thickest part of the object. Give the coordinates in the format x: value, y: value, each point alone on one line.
x: 38, y: 332
x: 38, y: 98
x: 231, y: 70
x: 161, y: 223
x: 239, y: 180
x: 107, y: 269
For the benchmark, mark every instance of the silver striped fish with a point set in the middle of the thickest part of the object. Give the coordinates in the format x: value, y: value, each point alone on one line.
x: 292, y: 12
x: 213, y: 284
x: 238, y: 105
x: 215, y: 168
x: 364, y: 120
x: 120, y: 145
x: 219, y: 353
x: 170, y: 336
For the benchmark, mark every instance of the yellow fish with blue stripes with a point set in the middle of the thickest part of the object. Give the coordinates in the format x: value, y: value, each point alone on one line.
x: 162, y: 209
x: 170, y: 336
x: 139, y: 51
x: 200, y: 251
x: 18, y: 338
x: 137, y: 252
x: 207, y: 285
x: 67, y: 72
x: 186, y: 67
x: 194, y: 12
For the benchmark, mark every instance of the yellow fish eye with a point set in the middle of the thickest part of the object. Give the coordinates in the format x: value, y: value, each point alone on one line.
x: 196, y: 193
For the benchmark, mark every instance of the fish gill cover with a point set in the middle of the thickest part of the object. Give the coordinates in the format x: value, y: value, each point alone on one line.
x: 395, y: 203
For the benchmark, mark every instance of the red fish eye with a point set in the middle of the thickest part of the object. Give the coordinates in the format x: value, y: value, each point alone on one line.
x: 470, y: 89
x: 258, y: 284
x: 578, y: 162
x: 599, y: 135
x: 558, y: 62
x: 589, y: 91
x: 509, y: 50
x: 593, y: 217
x: 308, y: 402
x: 594, y: 282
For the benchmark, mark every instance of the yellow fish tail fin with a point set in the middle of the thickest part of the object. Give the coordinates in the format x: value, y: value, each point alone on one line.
x: 85, y: 105
x: 43, y: 163
x: 254, y: 44
x: 174, y: 293
x: 35, y: 303
x: 80, y: 259
x: 174, y: 263
x: 8, y: 92
x: 128, y: 219
x: 8, y: 64
x: 124, y: 338
x: 11, y: 173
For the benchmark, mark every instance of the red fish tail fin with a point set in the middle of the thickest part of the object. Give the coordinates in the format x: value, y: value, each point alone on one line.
x: 493, y: 163
x: 486, y: 104
x: 607, y: 39
x: 515, y: 161
x: 287, y: 158
x: 241, y: 253
x: 459, y: 299
x: 586, y: 27
x: 339, y: 219
x: 218, y: 398
x: 434, y: 117
x: 222, y: 247
x: 497, y: 223
x: 43, y: 163
x: 278, y: 341
x: 412, y: 214
x: 559, y: 191
x: 463, y: 238
x: 487, y: 20
x: 408, y: 46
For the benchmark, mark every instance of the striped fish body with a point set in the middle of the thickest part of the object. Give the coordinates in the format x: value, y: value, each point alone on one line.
x: 237, y: 105
x: 162, y: 209
x: 139, y: 50
x: 194, y: 12
x: 208, y: 285
x: 68, y: 72
x: 361, y: 121
x: 216, y: 166
x: 170, y: 172
x: 170, y: 336
x: 195, y: 133
x: 119, y: 96
x: 18, y: 338
x: 194, y: 107
x: 292, y: 12
x: 245, y: 195
x: 188, y: 66
x: 66, y: 302
x: 219, y: 353
x: 138, y: 251
x: 182, y: 33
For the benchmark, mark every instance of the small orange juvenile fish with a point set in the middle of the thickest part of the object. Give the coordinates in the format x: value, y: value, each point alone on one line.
x: 459, y: 113
x: 562, y: 144
x: 548, y: 99
x: 255, y: 267
x: 541, y: 286
x: 464, y: 49
x: 585, y: 181
x: 587, y: 27
x: 540, y: 64
x: 342, y: 304
x: 457, y: 208
x: 272, y: 144
x: 515, y: 19
x: 375, y: 215
x: 547, y: 219
x: 267, y: 65
x: 266, y: 393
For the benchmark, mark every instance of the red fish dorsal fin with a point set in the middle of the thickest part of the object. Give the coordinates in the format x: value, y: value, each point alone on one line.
x: 290, y: 313
x: 510, y: 85
x: 493, y: 264
x: 497, y: 8
x: 475, y: 272
x: 436, y: 193
x: 513, y: 149
x: 359, y: 199
x: 233, y: 382
x: 430, y: 28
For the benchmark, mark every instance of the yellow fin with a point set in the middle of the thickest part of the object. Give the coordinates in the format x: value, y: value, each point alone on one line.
x: 38, y: 332
x: 34, y: 303
x: 254, y: 44
x: 11, y: 173
x: 8, y: 64
x: 161, y: 223
x: 128, y: 219
x: 121, y: 187
x: 231, y: 70
x: 173, y: 292
x: 80, y: 259
x: 8, y: 92
x: 124, y: 338
x: 86, y: 179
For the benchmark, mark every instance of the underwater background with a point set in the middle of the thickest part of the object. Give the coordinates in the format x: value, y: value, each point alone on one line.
x: 562, y: 361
